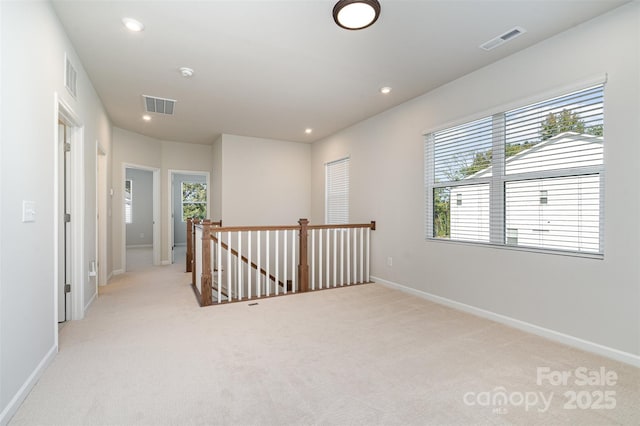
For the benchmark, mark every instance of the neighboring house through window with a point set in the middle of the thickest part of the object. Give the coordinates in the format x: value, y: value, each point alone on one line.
x: 337, y: 191
x: 529, y: 177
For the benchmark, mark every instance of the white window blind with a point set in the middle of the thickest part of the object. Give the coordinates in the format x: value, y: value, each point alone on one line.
x: 528, y: 177
x: 337, y: 192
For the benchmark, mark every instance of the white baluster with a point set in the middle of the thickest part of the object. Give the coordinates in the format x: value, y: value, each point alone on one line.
x: 249, y: 292
x: 348, y: 256
x: 361, y: 255
x: 229, y: 270
x: 320, y: 238
x: 342, y: 257
x: 259, y: 268
x: 328, y: 258
x: 268, y: 246
x: 219, y: 265
x: 335, y: 256
x: 293, y: 262
x: 368, y: 256
x: 239, y: 261
x: 285, y: 255
x: 277, y: 283
x: 313, y: 259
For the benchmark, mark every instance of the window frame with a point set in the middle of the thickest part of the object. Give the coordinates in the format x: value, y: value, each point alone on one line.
x: 128, y: 202
x: 499, y: 176
x: 182, y: 201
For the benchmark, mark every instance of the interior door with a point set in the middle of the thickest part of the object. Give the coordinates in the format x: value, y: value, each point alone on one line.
x: 64, y: 222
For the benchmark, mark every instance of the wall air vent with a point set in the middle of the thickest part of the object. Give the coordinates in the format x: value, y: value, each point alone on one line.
x: 70, y: 77
x: 507, y: 36
x: 158, y: 105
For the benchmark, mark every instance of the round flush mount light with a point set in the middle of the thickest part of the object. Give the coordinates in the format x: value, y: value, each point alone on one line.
x: 146, y: 117
x: 385, y: 90
x: 133, y: 25
x: 186, y: 72
x: 308, y: 130
x: 356, y: 14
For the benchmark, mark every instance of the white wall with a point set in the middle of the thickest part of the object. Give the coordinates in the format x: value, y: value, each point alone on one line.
x: 140, y: 230
x: 135, y: 149
x: 33, y: 51
x: 590, y: 299
x: 264, y: 181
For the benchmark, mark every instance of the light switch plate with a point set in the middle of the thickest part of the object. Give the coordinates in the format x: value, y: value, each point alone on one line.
x: 28, y: 211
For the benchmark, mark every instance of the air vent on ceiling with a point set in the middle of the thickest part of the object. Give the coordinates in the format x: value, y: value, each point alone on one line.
x: 70, y: 77
x: 159, y: 105
x: 507, y: 36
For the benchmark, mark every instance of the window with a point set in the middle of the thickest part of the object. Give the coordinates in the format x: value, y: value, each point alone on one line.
x: 128, y: 201
x: 194, y: 200
x: 337, y: 192
x: 528, y: 177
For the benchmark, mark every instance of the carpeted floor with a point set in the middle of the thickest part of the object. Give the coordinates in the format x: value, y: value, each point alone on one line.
x: 146, y: 354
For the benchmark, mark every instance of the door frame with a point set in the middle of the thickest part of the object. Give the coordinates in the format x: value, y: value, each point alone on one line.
x: 170, y: 212
x: 156, y: 212
x: 102, y: 166
x: 63, y: 112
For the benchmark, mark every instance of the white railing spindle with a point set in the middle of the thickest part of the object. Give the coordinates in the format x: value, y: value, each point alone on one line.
x: 284, y: 256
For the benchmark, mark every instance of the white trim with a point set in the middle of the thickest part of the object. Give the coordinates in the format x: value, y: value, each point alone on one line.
x: 166, y: 262
x: 140, y: 246
x: 15, y: 402
x: 86, y: 306
x: 576, y: 342
x: 116, y: 272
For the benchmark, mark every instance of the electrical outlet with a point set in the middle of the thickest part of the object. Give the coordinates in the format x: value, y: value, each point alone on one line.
x: 389, y: 261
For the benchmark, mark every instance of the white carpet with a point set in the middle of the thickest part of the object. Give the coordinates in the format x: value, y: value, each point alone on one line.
x: 146, y: 354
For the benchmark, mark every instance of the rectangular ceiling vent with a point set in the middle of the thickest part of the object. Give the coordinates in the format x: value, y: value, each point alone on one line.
x: 159, y: 105
x: 70, y: 77
x: 507, y: 36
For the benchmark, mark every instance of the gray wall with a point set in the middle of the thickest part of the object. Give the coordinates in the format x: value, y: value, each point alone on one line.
x: 140, y: 231
x: 590, y: 299
x: 180, y: 227
x: 32, y: 52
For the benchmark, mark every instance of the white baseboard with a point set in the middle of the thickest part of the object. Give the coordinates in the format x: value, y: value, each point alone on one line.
x: 117, y: 272
x: 140, y: 246
x: 165, y: 262
x: 90, y: 301
x: 13, y: 405
x: 576, y: 342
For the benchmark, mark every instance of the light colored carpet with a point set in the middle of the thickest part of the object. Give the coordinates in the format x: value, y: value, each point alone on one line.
x: 146, y: 354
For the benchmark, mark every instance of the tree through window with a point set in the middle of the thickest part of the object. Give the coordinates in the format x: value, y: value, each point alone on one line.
x: 194, y: 200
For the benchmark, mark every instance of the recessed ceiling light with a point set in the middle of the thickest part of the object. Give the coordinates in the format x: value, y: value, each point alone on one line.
x: 146, y: 117
x: 308, y: 130
x: 133, y: 25
x: 385, y: 90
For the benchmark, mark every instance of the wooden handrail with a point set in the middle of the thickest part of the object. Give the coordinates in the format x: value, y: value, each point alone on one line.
x: 209, y: 235
x: 245, y: 260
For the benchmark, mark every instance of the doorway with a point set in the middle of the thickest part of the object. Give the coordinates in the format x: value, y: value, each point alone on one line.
x: 140, y: 217
x: 189, y: 197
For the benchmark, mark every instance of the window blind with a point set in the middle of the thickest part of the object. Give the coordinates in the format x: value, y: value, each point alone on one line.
x: 337, y: 192
x: 528, y: 177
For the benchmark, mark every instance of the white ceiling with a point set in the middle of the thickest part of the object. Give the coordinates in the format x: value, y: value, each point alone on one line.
x: 273, y: 68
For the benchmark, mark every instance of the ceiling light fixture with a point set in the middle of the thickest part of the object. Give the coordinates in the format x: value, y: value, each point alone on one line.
x: 146, y: 117
x: 385, y: 90
x: 308, y: 131
x: 356, y: 14
x: 186, y: 72
x: 133, y: 25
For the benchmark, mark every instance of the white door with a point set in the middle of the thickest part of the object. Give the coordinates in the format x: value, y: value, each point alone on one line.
x: 64, y: 222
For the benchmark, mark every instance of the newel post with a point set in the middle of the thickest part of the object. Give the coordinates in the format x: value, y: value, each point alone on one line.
x: 303, y: 266
x: 189, y: 244
x: 205, y: 282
